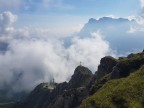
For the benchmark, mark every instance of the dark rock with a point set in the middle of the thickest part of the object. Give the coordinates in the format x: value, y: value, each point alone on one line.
x: 121, y: 58
x: 60, y: 88
x: 106, y: 66
x: 81, y: 77
x: 130, y: 55
x: 115, y: 73
x: 37, y: 98
x: 128, y: 65
x: 71, y: 95
x: 70, y: 98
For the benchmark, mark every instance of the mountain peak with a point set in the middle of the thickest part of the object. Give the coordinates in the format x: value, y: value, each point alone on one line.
x: 107, y: 19
x: 82, y: 70
x: 92, y: 20
x: 81, y: 77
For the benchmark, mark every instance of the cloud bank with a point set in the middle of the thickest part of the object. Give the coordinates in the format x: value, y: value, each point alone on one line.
x: 32, y: 57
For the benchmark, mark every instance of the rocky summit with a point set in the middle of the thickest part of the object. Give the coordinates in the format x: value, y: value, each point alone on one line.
x: 63, y: 95
x: 117, y: 83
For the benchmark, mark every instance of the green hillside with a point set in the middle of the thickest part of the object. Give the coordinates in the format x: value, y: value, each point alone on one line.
x: 119, y: 93
x: 7, y: 105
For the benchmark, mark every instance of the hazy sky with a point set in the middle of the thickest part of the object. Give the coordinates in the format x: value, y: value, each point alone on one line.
x: 67, y: 13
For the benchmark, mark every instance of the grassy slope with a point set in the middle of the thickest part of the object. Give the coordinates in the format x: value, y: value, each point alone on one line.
x: 6, y: 103
x: 121, y: 93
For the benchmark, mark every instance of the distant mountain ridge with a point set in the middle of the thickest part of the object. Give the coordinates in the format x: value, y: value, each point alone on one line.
x: 108, y: 19
x: 93, y: 24
x: 116, y: 31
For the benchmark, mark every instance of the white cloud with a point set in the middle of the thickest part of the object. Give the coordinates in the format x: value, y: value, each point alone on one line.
x: 139, y: 20
x: 89, y: 50
x: 6, y: 21
x: 132, y: 29
x: 35, y: 61
x: 136, y: 29
x: 32, y: 58
x: 37, y: 32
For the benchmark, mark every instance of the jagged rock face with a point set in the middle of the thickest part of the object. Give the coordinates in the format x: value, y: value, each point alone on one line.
x: 70, y: 98
x: 60, y: 88
x: 65, y: 95
x: 128, y: 65
x: 74, y: 91
x: 81, y: 77
x: 37, y: 98
x: 106, y: 66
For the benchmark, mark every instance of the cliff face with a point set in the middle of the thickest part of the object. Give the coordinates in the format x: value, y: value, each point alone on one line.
x: 38, y: 98
x: 84, y: 84
x: 106, y: 66
x: 81, y: 77
x: 75, y: 91
x: 127, y: 65
x: 64, y: 95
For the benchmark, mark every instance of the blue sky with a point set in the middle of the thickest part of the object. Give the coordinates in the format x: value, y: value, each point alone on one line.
x: 54, y: 13
x: 76, y: 7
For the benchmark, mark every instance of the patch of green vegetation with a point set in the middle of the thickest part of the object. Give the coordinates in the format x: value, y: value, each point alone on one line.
x: 130, y: 64
x: 99, y: 83
x: 120, y: 93
x: 7, y: 105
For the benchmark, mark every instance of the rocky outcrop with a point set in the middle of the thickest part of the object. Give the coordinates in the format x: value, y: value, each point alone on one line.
x: 75, y: 90
x: 38, y: 98
x: 74, y: 93
x: 71, y: 98
x: 111, y: 68
x: 106, y: 66
x: 127, y: 65
x: 101, y: 76
x: 64, y: 95
x: 81, y: 77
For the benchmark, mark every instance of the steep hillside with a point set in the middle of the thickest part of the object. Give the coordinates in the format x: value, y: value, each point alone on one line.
x: 5, y: 103
x: 120, y: 93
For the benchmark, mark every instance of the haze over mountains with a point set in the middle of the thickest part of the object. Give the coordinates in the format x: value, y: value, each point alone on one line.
x: 31, y: 55
x: 122, y: 34
x: 44, y: 40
